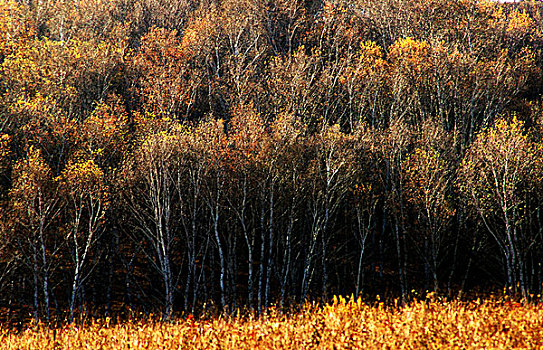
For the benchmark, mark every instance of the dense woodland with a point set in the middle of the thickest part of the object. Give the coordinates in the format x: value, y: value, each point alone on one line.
x: 170, y: 155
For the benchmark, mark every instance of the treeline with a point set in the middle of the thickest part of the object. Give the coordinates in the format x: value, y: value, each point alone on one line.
x: 170, y: 154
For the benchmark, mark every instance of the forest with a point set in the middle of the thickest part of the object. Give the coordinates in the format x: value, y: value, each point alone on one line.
x: 171, y: 156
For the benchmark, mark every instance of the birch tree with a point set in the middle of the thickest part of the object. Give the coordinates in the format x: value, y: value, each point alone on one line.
x: 495, y: 177
x: 83, y: 184
x: 35, y: 203
x: 150, y: 174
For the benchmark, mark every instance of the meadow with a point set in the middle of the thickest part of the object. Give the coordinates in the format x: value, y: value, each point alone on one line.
x: 342, y: 324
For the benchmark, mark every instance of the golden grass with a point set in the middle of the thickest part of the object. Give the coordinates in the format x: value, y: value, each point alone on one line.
x: 341, y: 325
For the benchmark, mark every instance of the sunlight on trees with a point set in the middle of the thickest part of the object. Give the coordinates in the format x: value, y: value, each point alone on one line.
x: 192, y: 156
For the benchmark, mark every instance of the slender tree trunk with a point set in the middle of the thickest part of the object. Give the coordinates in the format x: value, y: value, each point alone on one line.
x: 221, y: 255
x: 201, y: 280
x: 364, y: 230
x: 287, y: 260
x: 233, y: 272
x: 250, y: 241
x: 453, y: 265
x: 262, y: 253
x: 270, y: 248
x: 193, y: 267
x: 325, y: 252
x: 168, y: 288
x: 250, y: 285
x: 75, y: 284
x: 36, y: 285
x: 400, y: 260
x: 520, y: 261
x: 510, y: 255
x: 381, y: 254
x: 539, y: 279
x: 190, y: 274
x: 308, y: 261
x: 470, y: 260
x: 109, y: 283
x: 360, y: 275
x: 75, y: 280
x: 433, y: 258
x: 45, y: 270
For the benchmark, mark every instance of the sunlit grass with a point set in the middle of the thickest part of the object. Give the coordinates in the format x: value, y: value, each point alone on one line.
x: 340, y: 325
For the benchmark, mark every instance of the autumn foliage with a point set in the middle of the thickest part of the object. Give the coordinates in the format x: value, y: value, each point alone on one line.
x: 180, y: 156
x: 339, y: 325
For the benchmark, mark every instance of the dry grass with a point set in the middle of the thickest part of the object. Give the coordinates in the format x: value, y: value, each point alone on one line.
x: 342, y: 325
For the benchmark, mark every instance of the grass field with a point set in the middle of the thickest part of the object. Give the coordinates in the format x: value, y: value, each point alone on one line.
x: 340, y: 325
